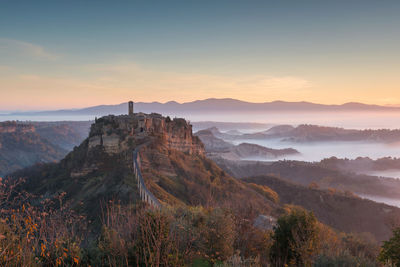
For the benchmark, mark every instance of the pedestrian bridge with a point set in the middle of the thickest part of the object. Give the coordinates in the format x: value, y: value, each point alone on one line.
x: 145, y: 194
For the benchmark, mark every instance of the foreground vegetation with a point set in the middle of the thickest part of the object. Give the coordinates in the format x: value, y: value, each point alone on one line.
x: 50, y: 234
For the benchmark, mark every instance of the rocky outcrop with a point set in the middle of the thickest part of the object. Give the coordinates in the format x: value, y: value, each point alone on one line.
x: 170, y: 160
x: 217, y: 147
x: 179, y: 136
x: 212, y: 143
x: 111, y: 143
x: 265, y: 222
x: 94, y: 141
x: 113, y: 132
x: 119, y: 135
x: 13, y: 127
x: 83, y: 171
x: 246, y: 150
x: 22, y: 146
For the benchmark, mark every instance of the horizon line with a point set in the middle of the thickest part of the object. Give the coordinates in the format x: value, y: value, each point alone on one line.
x: 9, y: 112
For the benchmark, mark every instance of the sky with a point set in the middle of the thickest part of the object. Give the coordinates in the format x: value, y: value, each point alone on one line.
x: 71, y: 54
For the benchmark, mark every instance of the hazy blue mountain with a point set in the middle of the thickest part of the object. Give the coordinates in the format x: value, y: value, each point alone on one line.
x: 212, y: 105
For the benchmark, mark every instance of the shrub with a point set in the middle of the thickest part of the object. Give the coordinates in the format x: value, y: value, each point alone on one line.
x: 136, y: 236
x: 342, y: 260
x: 265, y: 191
x: 295, y: 239
x: 390, y: 253
x: 44, y: 235
x: 204, y: 233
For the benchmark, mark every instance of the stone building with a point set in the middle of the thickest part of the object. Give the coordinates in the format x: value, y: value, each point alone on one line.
x: 111, y: 132
x: 130, y: 108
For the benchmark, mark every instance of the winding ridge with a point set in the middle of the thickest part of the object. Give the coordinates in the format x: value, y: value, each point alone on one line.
x: 145, y: 194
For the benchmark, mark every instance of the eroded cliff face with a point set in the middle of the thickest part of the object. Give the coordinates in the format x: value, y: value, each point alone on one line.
x: 172, y: 164
x: 178, y: 135
x: 14, y: 127
x: 21, y: 146
x: 115, y: 134
x: 118, y: 136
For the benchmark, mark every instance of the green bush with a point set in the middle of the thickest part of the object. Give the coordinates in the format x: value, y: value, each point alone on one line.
x: 390, y: 253
x: 295, y: 239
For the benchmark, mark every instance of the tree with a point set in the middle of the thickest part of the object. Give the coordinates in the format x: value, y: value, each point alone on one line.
x: 390, y: 253
x: 295, y: 239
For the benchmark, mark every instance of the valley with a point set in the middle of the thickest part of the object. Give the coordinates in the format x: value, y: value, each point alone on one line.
x: 199, y: 133
x: 25, y: 144
x: 208, y: 168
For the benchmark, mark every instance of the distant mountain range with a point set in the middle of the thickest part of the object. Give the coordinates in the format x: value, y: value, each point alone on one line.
x: 211, y: 105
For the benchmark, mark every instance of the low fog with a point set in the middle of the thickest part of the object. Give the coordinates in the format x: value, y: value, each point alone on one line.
x: 349, y: 120
x: 316, y: 151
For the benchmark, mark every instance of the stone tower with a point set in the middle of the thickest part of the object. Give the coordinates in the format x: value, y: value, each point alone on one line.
x: 130, y: 108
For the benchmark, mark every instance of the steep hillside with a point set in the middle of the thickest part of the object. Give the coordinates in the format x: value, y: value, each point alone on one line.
x: 172, y: 161
x: 65, y: 134
x: 176, y: 177
x: 216, y: 147
x: 315, y: 133
x: 213, y: 143
x: 343, y: 212
x: 22, y: 146
x: 361, y: 164
x: 324, y: 176
x: 247, y: 150
x: 176, y: 171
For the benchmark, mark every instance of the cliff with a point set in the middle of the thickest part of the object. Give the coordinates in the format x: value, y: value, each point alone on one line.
x: 22, y: 146
x: 14, y: 127
x: 173, y: 166
x: 177, y: 172
x: 216, y: 147
x: 113, y: 133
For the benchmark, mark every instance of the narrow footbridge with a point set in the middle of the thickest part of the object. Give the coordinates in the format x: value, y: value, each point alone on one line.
x: 145, y: 194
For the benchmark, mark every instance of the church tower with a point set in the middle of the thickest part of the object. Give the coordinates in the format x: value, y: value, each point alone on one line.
x: 130, y: 108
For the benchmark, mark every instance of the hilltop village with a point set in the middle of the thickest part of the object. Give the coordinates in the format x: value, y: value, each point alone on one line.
x: 113, y: 132
x: 140, y: 174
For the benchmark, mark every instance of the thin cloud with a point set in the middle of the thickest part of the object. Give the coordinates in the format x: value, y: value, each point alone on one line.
x: 131, y: 74
x: 113, y: 83
x: 30, y: 49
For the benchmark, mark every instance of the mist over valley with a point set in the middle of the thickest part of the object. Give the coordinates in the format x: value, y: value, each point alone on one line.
x: 200, y: 133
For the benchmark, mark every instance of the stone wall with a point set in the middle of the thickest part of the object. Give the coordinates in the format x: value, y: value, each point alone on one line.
x: 145, y: 194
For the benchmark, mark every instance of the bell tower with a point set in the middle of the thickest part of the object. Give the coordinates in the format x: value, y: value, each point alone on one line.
x: 130, y: 104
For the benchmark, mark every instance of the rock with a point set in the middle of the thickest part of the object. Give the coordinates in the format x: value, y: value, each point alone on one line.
x: 94, y: 141
x: 265, y: 222
x: 112, y: 133
x: 111, y: 143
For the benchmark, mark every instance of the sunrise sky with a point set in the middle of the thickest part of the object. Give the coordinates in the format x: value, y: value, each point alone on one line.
x: 68, y: 54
